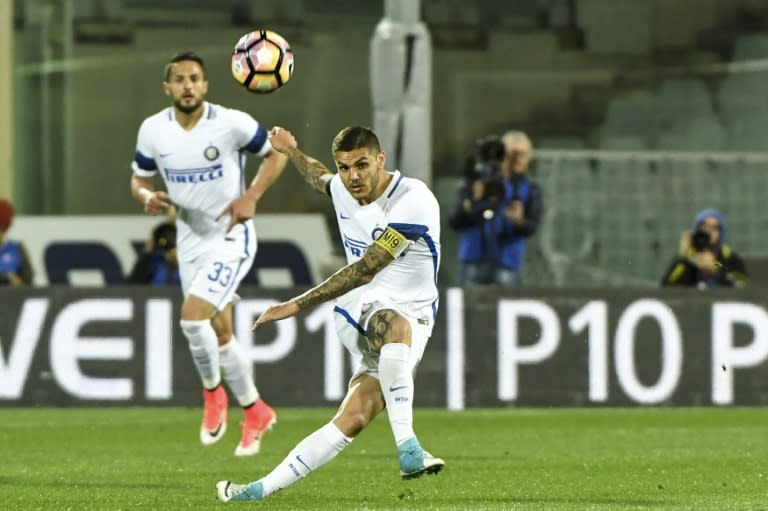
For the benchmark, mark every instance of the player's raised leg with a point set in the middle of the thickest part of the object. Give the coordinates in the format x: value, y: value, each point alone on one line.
x: 391, y: 334
x: 361, y: 404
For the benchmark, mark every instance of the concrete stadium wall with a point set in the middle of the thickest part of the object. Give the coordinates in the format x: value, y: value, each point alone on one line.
x: 115, y: 86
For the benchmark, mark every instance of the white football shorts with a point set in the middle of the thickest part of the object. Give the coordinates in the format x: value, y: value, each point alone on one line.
x: 351, y: 315
x: 216, y: 274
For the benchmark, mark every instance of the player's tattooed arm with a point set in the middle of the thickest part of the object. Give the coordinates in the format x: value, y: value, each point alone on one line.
x: 313, y: 171
x: 348, y: 278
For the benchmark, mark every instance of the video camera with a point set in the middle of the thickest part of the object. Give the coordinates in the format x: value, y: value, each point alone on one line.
x: 164, y: 236
x: 700, y: 241
x: 489, y: 150
x: 484, y: 165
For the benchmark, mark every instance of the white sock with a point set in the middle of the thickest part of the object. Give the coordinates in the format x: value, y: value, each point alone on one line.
x: 238, y: 372
x: 310, y: 454
x: 396, y: 382
x: 204, y: 345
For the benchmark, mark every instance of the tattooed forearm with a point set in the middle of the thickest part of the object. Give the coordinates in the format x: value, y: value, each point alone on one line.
x: 314, y: 172
x: 346, y: 279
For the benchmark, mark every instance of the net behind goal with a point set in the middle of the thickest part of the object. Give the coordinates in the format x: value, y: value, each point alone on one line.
x: 614, y: 218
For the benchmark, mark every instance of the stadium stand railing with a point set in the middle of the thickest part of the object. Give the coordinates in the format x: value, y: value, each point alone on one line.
x: 614, y: 218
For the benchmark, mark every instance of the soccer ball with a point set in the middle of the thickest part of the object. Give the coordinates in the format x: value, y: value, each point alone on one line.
x: 262, y: 61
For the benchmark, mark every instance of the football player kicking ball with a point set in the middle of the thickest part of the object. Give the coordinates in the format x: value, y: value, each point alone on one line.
x: 387, y: 301
x: 198, y: 147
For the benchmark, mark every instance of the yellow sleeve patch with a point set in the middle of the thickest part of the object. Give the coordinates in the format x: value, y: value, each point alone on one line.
x: 393, y: 242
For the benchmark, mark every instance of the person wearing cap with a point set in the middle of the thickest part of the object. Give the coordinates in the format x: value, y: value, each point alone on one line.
x: 15, y: 268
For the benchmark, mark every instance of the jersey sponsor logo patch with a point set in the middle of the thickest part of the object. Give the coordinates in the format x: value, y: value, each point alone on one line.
x: 392, y: 241
x: 211, y: 152
x: 357, y: 247
x: 200, y: 175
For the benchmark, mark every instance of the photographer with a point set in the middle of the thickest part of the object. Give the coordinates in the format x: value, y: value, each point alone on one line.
x: 499, y: 207
x: 159, y: 264
x: 15, y: 268
x: 704, y: 260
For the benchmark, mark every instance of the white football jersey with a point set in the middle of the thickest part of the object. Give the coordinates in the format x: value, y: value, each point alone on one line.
x: 409, y: 207
x: 203, y: 168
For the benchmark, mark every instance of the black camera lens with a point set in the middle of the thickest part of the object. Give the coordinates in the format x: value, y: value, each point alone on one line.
x: 700, y: 241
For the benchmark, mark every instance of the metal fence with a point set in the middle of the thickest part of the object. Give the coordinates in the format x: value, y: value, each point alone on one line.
x: 614, y: 218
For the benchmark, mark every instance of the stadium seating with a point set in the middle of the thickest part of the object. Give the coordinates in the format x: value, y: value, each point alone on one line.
x: 751, y: 46
x: 634, y: 116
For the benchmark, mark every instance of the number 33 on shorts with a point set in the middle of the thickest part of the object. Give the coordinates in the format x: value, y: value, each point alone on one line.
x: 220, y: 276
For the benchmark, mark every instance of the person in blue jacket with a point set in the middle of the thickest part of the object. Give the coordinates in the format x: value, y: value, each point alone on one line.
x: 15, y: 268
x: 159, y: 264
x: 499, y: 208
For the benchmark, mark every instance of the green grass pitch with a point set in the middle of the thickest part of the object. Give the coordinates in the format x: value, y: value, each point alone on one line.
x: 504, y: 459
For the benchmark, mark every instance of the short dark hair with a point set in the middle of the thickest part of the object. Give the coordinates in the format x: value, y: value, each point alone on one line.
x: 356, y: 137
x: 180, y: 57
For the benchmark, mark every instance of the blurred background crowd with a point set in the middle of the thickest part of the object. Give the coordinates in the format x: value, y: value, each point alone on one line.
x: 632, y: 118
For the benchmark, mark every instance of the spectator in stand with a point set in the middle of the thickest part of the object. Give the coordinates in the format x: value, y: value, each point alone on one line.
x: 15, y: 268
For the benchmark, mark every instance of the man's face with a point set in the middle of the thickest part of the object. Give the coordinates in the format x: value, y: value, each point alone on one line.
x: 186, y: 86
x: 361, y: 171
x: 517, y: 155
x: 711, y: 225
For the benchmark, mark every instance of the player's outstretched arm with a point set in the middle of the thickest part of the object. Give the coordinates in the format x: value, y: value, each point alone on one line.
x: 270, y: 169
x: 346, y: 279
x: 314, y: 172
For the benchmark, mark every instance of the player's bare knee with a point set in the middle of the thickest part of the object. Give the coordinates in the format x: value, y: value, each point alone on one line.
x: 190, y: 326
x: 222, y: 325
x: 351, y: 424
x: 224, y: 337
x: 189, y: 315
x: 192, y: 311
x: 223, y: 331
x: 195, y: 308
x: 386, y: 326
